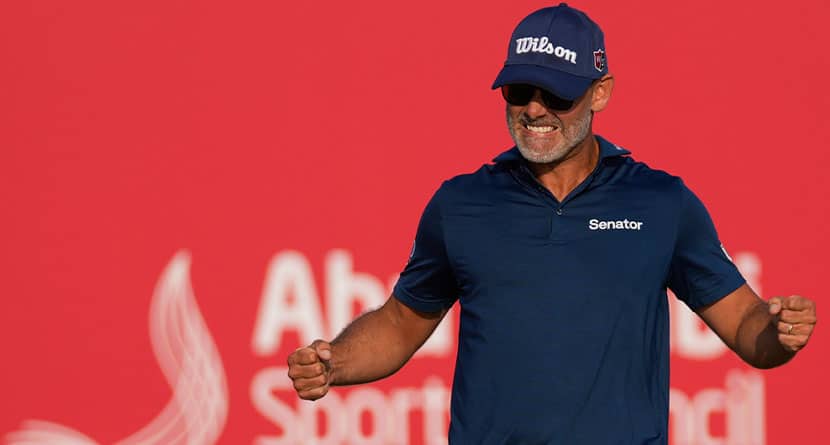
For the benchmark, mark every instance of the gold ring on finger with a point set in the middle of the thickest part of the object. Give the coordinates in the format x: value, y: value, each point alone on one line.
x: 790, y: 329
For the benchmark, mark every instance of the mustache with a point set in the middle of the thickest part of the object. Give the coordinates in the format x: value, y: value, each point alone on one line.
x: 540, y: 122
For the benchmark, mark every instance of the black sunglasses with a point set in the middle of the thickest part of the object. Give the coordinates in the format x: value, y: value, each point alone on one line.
x: 519, y: 94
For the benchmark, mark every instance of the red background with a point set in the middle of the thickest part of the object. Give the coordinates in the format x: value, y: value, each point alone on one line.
x: 238, y: 130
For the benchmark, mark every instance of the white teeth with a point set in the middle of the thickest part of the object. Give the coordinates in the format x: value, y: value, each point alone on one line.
x: 540, y: 129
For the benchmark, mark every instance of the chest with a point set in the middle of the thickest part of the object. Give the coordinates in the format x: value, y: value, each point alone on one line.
x: 596, y: 244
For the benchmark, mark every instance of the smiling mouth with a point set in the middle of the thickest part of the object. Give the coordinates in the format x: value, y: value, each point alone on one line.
x: 541, y: 129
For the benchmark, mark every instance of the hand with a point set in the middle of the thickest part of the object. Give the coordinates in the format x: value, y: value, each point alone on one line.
x: 309, y: 369
x: 796, y: 318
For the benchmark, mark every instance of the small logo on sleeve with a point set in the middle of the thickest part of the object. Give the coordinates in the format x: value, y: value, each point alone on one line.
x: 618, y: 224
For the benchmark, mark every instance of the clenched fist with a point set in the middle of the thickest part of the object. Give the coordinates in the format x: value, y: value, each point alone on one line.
x: 309, y: 369
x: 796, y: 318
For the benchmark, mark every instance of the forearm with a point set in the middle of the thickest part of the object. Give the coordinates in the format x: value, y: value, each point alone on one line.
x: 757, y: 340
x: 378, y: 343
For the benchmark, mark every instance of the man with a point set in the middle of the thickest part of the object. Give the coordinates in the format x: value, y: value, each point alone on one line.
x: 560, y: 254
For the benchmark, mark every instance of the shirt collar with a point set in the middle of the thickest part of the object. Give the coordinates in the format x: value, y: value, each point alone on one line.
x: 606, y: 150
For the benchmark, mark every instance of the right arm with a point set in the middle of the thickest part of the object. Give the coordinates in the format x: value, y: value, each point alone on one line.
x: 372, y: 347
x: 379, y: 342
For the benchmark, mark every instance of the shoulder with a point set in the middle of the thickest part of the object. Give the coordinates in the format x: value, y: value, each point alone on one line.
x: 479, y: 183
x: 627, y: 178
x: 632, y: 180
x: 633, y: 172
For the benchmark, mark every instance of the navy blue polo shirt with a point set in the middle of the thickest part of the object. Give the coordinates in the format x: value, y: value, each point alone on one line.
x: 564, y: 332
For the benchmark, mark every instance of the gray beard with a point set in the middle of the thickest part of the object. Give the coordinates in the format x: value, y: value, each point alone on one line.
x: 571, y: 137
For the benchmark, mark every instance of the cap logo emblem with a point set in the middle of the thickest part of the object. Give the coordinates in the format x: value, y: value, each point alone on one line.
x: 544, y: 45
x: 599, y: 60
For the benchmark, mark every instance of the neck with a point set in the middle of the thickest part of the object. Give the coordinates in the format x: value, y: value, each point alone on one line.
x: 563, y: 176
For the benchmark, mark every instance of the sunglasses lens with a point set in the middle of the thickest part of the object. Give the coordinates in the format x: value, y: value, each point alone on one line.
x: 555, y: 102
x: 520, y: 95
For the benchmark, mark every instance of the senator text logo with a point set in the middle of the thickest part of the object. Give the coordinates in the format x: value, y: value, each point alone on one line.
x: 544, y: 45
x: 624, y: 224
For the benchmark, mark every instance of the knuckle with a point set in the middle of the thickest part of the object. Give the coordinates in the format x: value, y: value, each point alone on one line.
x: 314, y: 393
x: 301, y: 384
x: 315, y: 370
x: 321, y: 391
x: 309, y: 356
x: 320, y: 380
x: 297, y: 372
x: 310, y: 384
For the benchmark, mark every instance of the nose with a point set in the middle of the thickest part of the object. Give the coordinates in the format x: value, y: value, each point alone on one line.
x: 536, y: 107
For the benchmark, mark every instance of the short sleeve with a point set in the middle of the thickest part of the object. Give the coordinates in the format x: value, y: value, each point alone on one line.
x: 427, y: 282
x: 701, y: 272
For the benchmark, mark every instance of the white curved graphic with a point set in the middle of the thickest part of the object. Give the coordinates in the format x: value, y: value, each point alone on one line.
x: 198, y: 409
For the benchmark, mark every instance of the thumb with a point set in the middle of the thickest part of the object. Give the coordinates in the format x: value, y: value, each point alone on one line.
x: 775, y: 305
x: 323, y: 349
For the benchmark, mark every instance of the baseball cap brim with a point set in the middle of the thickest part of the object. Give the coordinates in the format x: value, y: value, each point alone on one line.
x: 560, y: 83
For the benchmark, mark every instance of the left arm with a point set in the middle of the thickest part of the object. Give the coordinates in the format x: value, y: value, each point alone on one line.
x: 763, y: 334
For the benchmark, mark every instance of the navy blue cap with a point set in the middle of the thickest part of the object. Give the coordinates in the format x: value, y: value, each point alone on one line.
x: 559, y: 49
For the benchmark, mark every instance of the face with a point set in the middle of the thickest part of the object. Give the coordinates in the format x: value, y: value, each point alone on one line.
x: 545, y: 136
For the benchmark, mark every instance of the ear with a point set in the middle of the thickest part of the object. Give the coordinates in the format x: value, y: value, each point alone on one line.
x: 602, y: 93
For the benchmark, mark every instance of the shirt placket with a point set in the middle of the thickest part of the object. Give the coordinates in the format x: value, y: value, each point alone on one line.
x: 558, y: 217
